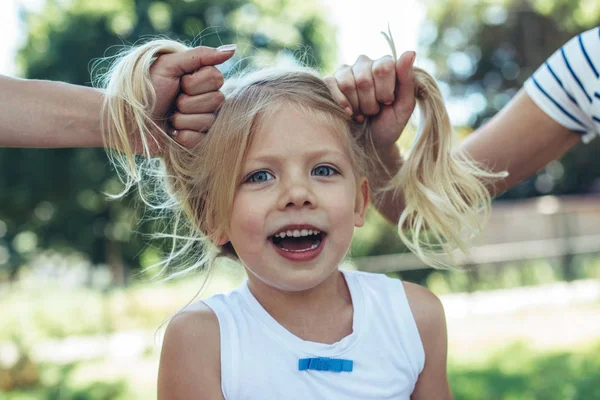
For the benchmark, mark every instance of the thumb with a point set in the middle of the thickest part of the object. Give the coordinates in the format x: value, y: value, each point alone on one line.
x: 405, y: 84
x: 185, y: 62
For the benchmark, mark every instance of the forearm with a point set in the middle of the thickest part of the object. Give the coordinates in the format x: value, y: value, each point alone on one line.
x: 388, y: 203
x: 520, y: 139
x: 48, y: 114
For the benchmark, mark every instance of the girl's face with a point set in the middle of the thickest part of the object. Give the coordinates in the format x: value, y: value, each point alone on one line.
x: 297, y: 178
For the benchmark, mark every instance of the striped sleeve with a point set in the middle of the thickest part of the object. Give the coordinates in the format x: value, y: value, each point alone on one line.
x: 567, y: 85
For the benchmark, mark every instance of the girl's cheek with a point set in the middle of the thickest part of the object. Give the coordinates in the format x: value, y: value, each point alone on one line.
x: 251, y: 219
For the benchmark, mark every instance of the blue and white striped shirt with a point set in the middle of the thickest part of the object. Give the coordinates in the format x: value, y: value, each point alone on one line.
x: 567, y: 85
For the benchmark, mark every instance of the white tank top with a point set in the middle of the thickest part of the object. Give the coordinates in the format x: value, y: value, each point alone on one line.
x: 260, y: 358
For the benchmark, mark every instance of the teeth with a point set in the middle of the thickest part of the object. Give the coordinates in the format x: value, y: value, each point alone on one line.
x: 297, y: 233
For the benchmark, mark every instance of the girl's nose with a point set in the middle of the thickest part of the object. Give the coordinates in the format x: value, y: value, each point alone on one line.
x: 297, y: 194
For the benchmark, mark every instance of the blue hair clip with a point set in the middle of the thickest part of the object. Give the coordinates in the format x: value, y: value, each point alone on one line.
x: 325, y: 364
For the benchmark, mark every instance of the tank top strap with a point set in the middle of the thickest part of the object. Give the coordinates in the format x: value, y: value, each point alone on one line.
x: 223, y: 305
x: 388, y: 301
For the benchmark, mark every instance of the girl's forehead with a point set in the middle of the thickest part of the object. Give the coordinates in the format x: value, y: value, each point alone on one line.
x: 289, y: 129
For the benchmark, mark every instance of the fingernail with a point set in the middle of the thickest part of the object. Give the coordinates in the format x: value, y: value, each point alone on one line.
x: 227, y: 47
x: 412, y: 58
x: 348, y: 110
x: 388, y: 103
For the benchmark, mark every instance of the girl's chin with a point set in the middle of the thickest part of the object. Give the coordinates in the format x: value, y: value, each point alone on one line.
x: 297, y: 280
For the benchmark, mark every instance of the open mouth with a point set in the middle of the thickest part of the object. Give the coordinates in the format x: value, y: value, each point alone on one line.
x: 298, y: 244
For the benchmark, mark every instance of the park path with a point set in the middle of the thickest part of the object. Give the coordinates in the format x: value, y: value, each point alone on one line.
x: 558, y: 316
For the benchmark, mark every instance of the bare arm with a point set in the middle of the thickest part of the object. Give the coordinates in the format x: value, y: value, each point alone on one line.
x: 428, y: 312
x: 36, y: 113
x: 520, y: 139
x: 190, y: 361
x: 48, y: 114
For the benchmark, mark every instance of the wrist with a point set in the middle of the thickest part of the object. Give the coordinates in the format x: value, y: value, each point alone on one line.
x: 89, y: 116
x: 391, y: 158
x: 388, y: 165
x: 73, y: 117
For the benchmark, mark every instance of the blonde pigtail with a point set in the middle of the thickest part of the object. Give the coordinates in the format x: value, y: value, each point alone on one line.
x: 164, y: 185
x: 447, y: 202
x: 127, y: 109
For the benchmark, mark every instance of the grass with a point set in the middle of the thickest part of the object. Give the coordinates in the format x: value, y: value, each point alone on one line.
x: 32, y: 314
x: 49, y: 310
x: 512, y: 373
x: 517, y: 373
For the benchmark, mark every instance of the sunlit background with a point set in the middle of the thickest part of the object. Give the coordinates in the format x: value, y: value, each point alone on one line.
x: 78, y: 309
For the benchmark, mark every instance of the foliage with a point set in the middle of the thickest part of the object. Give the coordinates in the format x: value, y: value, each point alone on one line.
x: 58, y: 386
x: 516, y: 373
x: 55, y: 198
x: 34, y: 311
x: 512, y: 373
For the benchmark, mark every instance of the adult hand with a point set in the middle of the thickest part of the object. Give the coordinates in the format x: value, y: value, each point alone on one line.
x: 187, y: 91
x: 382, y: 89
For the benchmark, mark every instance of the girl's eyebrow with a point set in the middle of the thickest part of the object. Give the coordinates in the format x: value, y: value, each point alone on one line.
x: 273, y: 158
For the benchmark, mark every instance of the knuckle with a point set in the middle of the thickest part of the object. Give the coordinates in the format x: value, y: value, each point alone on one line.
x: 186, y: 82
x: 329, y: 80
x: 207, y: 123
x: 216, y: 78
x: 343, y: 71
x: 176, y: 120
x: 387, y: 60
x: 363, y: 59
x: 346, y: 86
x: 181, y: 101
x: 364, y: 83
x: 382, y: 69
x: 217, y: 99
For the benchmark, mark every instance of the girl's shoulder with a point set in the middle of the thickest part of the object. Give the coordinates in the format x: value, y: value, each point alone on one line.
x: 426, y: 307
x: 190, y: 357
x: 430, y: 318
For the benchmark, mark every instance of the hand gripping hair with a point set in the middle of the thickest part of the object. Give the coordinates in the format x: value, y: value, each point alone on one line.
x: 447, y: 202
x: 444, y: 192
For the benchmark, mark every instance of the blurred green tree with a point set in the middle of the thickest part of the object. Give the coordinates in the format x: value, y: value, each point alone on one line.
x: 483, y: 51
x: 54, y: 198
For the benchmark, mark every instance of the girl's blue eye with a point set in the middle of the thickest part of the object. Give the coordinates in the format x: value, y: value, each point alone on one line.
x: 324, y: 170
x: 259, y: 177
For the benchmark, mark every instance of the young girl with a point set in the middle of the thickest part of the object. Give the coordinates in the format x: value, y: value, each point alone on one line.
x: 279, y: 183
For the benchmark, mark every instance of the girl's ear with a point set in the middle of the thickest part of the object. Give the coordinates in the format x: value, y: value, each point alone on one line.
x: 222, y: 240
x: 362, y: 202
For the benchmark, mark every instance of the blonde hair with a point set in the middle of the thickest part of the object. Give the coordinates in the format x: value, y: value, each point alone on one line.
x: 195, y: 187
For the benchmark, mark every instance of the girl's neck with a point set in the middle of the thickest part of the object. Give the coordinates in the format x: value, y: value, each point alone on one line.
x: 322, y: 314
